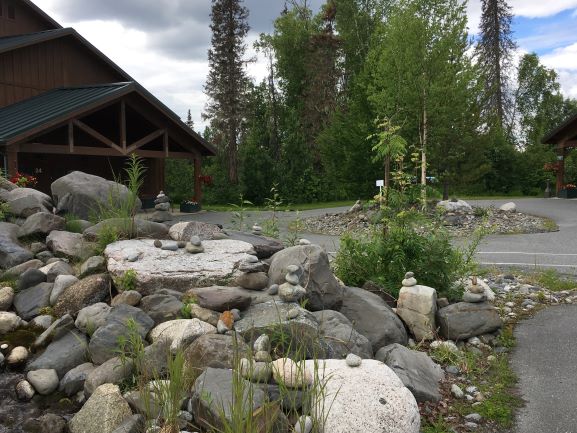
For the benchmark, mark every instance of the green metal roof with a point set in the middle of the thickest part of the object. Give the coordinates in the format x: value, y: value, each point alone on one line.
x: 40, y: 110
x: 8, y: 43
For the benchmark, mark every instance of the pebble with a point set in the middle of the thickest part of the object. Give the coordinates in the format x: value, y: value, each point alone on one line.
x: 471, y: 389
x: 157, y: 243
x: 44, y: 381
x: 292, y: 279
x: 18, y: 355
x: 409, y: 280
x: 273, y: 290
x: 304, y: 424
x: 293, y: 313
x: 491, y: 358
x: 4, y: 346
x: 353, y: 360
x: 221, y: 327
x: 170, y: 246
x: 194, y: 249
x: 24, y: 391
x: 451, y: 369
x: 249, y: 258
x: 304, y: 242
x: 181, y: 244
x: 235, y: 314
x: 262, y: 356
x: 195, y: 240
x: 471, y: 425
x: 456, y: 391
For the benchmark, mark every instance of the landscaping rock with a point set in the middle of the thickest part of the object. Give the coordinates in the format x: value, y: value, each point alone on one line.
x: 16, y: 271
x: 70, y: 245
x: 30, y: 278
x: 62, y: 355
x: 179, y: 270
x: 214, y: 350
x: 6, y: 298
x: 24, y: 202
x: 465, y: 320
x: 42, y: 322
x: 134, y: 424
x: 183, y: 231
x: 93, y: 265
x: 24, y: 391
x: 104, y: 411
x: 323, y: 290
x: 9, y: 322
x: 28, y: 303
x: 112, y: 371
x: 181, y: 333
x: 142, y: 228
x: 17, y: 356
x: 88, y: 291
x: 91, y: 318
x: 57, y: 329
x: 218, y: 298
x: 416, y: 370
x: 204, y: 314
x: 55, y: 269
x: 480, y: 287
x: 61, y: 283
x: 508, y: 207
x: 45, y: 382
x: 368, y: 398
x: 262, y: 246
x: 130, y: 297
x: 74, y: 380
x: 161, y: 308
x: 417, y: 306
x: 5, y: 184
x: 341, y: 337
x: 41, y: 223
x: 291, y: 374
x: 252, y: 281
x: 11, y: 252
x: 51, y: 423
x: 455, y: 206
x: 81, y: 194
x: 373, y: 318
x: 213, y: 397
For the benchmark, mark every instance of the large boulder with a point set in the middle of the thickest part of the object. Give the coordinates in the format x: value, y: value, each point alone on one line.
x: 24, y: 202
x: 70, y: 245
x: 183, y: 231
x: 29, y: 302
x: 41, y: 223
x: 464, y: 320
x: 63, y: 354
x: 214, y: 350
x: 104, y: 411
x: 508, y: 207
x: 416, y: 370
x: 88, y: 291
x: 417, y: 306
x: 341, y: 337
x: 263, y: 247
x: 157, y: 269
x: 5, y: 184
x: 180, y: 333
x: 455, y: 206
x: 365, y: 399
x: 104, y: 342
x: 142, y: 228
x: 323, y: 290
x: 11, y: 252
x: 84, y: 195
x: 220, y: 298
x: 373, y: 318
x: 214, y: 397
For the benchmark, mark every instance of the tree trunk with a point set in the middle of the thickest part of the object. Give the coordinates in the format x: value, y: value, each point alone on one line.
x: 424, y: 158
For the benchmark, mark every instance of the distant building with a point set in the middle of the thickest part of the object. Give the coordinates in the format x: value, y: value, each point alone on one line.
x: 65, y: 106
x: 564, y: 138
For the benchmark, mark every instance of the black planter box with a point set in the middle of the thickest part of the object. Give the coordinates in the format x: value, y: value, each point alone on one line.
x: 189, y: 208
x: 568, y: 193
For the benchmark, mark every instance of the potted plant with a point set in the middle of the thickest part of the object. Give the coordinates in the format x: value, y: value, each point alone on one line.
x: 23, y: 180
x: 568, y: 191
x: 189, y: 206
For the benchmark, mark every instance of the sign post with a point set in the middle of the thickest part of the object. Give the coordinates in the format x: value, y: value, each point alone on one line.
x: 380, y: 185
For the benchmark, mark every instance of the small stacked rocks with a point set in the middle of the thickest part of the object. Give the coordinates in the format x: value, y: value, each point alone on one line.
x: 195, y: 245
x: 259, y: 368
x: 409, y: 280
x: 256, y: 230
x: 162, y: 209
x: 475, y: 294
x: 254, y: 273
x: 292, y: 291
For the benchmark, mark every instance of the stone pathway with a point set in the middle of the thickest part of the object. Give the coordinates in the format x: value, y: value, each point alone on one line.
x: 545, y: 361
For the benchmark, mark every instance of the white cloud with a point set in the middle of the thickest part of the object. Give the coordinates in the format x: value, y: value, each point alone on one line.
x: 564, y: 61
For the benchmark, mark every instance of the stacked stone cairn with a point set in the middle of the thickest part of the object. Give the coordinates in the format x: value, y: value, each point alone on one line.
x: 256, y: 229
x: 475, y: 292
x: 417, y: 306
x: 162, y: 209
x: 259, y: 368
x: 254, y: 273
x: 291, y: 290
x: 195, y: 245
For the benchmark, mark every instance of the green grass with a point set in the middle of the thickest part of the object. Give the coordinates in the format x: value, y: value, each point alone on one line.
x: 289, y: 207
x: 552, y: 280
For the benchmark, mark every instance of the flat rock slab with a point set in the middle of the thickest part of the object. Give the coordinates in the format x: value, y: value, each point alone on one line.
x: 157, y: 269
x: 544, y: 360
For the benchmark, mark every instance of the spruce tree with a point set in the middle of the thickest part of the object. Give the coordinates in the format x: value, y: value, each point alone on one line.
x: 189, y: 122
x: 494, y: 53
x: 227, y: 82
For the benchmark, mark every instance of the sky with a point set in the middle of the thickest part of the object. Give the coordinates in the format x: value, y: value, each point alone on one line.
x: 163, y: 43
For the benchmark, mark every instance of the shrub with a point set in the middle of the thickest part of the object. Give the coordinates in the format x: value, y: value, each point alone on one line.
x: 106, y: 236
x: 408, y: 245
x: 126, y: 281
x: 4, y: 211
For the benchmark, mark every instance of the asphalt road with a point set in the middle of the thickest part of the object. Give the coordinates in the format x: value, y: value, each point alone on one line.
x: 545, y: 361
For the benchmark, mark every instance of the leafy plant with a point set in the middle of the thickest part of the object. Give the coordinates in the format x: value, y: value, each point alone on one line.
x: 295, y: 228
x: 73, y: 224
x: 270, y: 225
x: 239, y: 214
x: 4, y: 211
x: 127, y: 281
x: 107, y: 235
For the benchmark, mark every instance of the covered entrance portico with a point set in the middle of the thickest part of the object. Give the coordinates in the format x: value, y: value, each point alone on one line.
x: 564, y: 139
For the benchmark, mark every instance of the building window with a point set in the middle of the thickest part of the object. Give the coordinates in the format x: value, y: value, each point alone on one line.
x: 11, y: 12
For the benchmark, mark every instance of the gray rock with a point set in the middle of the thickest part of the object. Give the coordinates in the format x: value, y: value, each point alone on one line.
x: 45, y: 382
x: 63, y: 354
x: 214, y: 350
x: 155, y: 360
x: 16, y: 271
x: 17, y: 356
x: 92, y: 265
x: 104, y: 342
x: 134, y: 424
x: 218, y: 298
x: 82, y: 194
x: 464, y: 320
x: 29, y: 302
x: 57, y: 329
x: 143, y: 228
x: 9, y: 322
x: 353, y: 360
x: 129, y: 297
x: 24, y: 202
x: 51, y: 423
x: 6, y: 185
x: 474, y: 298
x: 323, y: 289
x: 38, y: 247
x: 6, y: 298
x: 112, y: 371
x: 55, y: 269
x: 213, y: 397
x: 61, y: 283
x: 70, y: 245
x: 11, y: 252
x: 341, y: 337
x: 45, y: 257
x: 417, y: 306
x: 262, y: 344
x: 88, y: 291
x: 180, y: 333
x: 184, y: 231
x: 258, y: 372
x: 91, y: 318
x: 263, y: 247
x: 204, y: 314
x: 253, y: 281
x: 29, y: 278
x: 24, y: 391
x: 455, y: 206
x: 373, y: 318
x: 73, y: 381
x: 42, y: 322
x: 41, y: 223
x: 304, y: 424
x: 457, y: 391
x: 416, y: 370
x: 161, y: 308
x: 161, y: 216
x: 508, y: 207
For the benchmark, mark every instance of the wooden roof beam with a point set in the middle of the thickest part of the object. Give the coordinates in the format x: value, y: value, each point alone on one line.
x: 98, y: 135
x: 144, y: 140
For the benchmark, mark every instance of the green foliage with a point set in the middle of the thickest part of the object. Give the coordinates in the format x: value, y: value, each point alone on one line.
x: 73, y: 224
x: 46, y: 311
x: 295, y: 228
x: 179, y: 179
x: 551, y: 279
x: 239, y: 214
x: 127, y: 281
x: 4, y: 211
x: 385, y: 258
x: 107, y: 235
x: 273, y: 203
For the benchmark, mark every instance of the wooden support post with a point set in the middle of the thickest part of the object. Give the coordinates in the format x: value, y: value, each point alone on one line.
x: 561, y: 169
x: 12, y: 160
x: 165, y: 143
x: 123, y: 125
x: 71, y: 136
x: 197, y: 175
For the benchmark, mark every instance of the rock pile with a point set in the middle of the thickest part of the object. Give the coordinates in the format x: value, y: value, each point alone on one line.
x: 161, y: 209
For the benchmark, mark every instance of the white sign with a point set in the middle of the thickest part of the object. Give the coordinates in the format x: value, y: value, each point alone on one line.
x: 380, y: 183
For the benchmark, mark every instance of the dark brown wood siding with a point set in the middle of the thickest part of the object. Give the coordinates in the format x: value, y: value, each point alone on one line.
x: 28, y: 71
x: 17, y: 19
